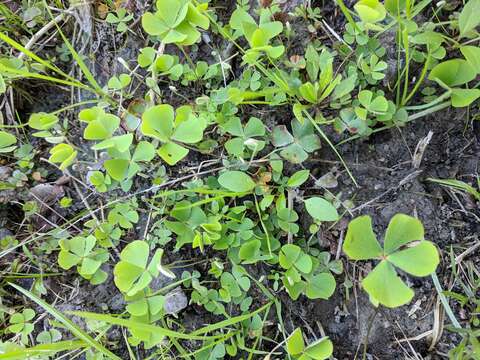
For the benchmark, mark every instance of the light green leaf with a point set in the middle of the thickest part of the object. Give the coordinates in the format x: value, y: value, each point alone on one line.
x: 321, y: 210
x: 157, y: 122
x: 469, y: 19
x: 295, y: 343
x: 6, y: 142
x: 472, y: 54
x: 464, y: 97
x: 298, y: 178
x: 320, y: 286
x: 42, y: 121
x: 117, y: 168
x: 144, y: 151
x: 172, y: 153
x: 320, y: 349
x: 370, y: 11
x: 236, y: 181
x: 419, y: 260
x: 453, y: 72
x: 63, y: 154
x: 360, y: 240
x: 401, y: 230
x: 189, y: 131
x: 385, y: 287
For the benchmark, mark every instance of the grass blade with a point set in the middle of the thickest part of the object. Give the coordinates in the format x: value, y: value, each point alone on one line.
x: 74, y: 329
x: 457, y: 184
x: 43, y: 349
x: 137, y: 325
x: 231, y: 321
x: 83, y: 67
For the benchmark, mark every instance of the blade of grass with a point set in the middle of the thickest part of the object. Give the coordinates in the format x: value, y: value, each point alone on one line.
x: 137, y: 325
x: 444, y: 301
x: 28, y: 74
x: 83, y: 67
x: 74, y: 329
x: 231, y: 321
x: 43, y: 349
x: 32, y: 55
x: 457, y: 184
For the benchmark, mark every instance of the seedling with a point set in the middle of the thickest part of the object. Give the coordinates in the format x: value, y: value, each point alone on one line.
x: 404, y: 247
x: 245, y: 137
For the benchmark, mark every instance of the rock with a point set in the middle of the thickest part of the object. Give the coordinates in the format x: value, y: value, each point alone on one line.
x: 175, y: 301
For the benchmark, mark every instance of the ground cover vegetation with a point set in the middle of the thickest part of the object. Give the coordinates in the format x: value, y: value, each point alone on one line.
x: 169, y: 180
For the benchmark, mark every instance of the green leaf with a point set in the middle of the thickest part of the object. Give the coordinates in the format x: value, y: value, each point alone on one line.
x: 320, y: 349
x: 172, y: 153
x: 6, y: 142
x: 320, y: 286
x: 464, y: 97
x: 42, y: 121
x: 144, y: 151
x: 453, y: 72
x: 236, y: 181
x: 295, y: 343
x: 472, y: 54
x: 420, y: 260
x: 401, y: 230
x: 63, y: 154
x: 370, y: 11
x: 385, y: 287
x: 249, y: 250
x: 469, y: 19
x: 121, y: 143
x: 289, y: 255
x: 321, y: 210
x: 360, y: 241
x: 132, y: 274
x: 309, y: 92
x: 395, y: 7
x: 189, y: 131
x: 294, y: 153
x: 102, y: 127
x: 117, y: 168
x: 298, y: 178
x: 157, y: 122
x: 146, y: 56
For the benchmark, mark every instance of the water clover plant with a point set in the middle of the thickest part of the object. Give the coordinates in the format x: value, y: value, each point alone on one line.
x: 404, y: 248
x: 172, y: 128
x: 63, y: 154
x: 296, y: 147
x: 20, y: 324
x: 133, y: 272
x: 176, y: 21
x: 257, y: 35
x: 79, y: 251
